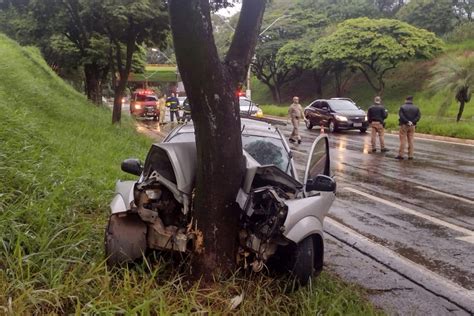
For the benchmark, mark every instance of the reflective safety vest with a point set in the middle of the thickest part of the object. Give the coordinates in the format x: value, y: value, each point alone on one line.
x: 172, y: 103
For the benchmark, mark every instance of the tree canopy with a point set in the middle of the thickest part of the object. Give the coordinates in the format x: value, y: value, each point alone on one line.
x: 375, y: 46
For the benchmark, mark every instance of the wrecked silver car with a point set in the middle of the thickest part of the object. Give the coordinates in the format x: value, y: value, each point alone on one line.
x: 282, y: 215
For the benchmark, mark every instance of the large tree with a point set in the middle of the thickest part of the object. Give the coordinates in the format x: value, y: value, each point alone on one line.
x: 375, y: 47
x: 129, y: 24
x: 437, y: 16
x: 210, y: 85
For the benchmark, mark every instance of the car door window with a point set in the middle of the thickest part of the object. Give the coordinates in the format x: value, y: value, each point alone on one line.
x: 318, y: 162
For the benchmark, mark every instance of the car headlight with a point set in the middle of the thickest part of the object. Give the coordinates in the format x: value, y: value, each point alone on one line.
x: 259, y: 113
x: 366, y: 118
x: 138, y: 106
x: 341, y: 118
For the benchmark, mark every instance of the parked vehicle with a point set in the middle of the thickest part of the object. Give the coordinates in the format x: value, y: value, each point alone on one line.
x: 144, y: 103
x: 282, y: 215
x: 336, y: 114
x: 249, y: 107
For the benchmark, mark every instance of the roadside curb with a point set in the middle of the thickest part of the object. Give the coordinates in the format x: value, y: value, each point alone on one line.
x: 441, y: 138
x: 417, y: 135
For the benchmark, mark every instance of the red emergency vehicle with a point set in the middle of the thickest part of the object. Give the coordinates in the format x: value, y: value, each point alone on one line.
x: 144, y: 103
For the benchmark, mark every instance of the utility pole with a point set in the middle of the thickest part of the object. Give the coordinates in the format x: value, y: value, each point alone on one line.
x: 248, y: 92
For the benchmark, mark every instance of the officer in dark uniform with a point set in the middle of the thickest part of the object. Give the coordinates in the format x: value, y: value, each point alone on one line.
x: 173, y: 103
x: 187, y: 110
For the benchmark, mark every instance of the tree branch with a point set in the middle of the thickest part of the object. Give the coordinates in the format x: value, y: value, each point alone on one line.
x: 243, y: 44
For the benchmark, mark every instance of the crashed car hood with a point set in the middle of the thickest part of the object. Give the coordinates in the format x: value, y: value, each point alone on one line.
x: 177, y: 162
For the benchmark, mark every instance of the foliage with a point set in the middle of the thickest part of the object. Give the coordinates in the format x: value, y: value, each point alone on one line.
x: 461, y: 33
x: 283, y: 51
x: 375, y: 47
x: 454, y: 77
x: 434, y: 15
x: 464, y: 10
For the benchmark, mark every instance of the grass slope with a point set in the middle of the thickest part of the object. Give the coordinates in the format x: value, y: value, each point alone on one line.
x: 59, y: 159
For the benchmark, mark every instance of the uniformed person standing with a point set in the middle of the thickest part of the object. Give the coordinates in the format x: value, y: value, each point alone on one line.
x: 173, y: 103
x: 376, y: 116
x: 187, y: 110
x: 162, y: 108
x: 295, y: 113
x: 409, y: 114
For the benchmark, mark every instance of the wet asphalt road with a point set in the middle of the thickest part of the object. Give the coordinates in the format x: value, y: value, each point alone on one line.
x: 420, y: 212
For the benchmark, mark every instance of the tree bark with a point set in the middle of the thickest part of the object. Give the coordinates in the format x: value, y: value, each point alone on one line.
x: 461, y: 109
x: 210, y: 87
x: 93, y: 85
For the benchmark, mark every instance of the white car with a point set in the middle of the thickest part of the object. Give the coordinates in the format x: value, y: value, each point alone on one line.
x: 248, y: 107
x: 281, y: 215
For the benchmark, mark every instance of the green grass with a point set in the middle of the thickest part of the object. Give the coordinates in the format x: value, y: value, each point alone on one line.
x: 59, y: 160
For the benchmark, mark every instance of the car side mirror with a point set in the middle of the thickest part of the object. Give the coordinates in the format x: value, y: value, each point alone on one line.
x: 325, y: 108
x: 321, y: 183
x: 132, y: 166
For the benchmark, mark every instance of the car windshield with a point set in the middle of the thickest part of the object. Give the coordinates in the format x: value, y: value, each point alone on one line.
x: 341, y: 105
x: 143, y: 98
x: 266, y: 151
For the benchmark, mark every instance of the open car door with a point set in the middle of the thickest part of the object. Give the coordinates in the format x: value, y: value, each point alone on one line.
x: 317, y: 176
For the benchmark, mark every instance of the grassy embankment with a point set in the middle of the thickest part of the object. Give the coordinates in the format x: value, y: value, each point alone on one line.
x: 408, y: 79
x: 59, y: 159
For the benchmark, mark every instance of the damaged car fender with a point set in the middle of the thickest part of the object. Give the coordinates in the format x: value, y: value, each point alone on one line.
x: 305, y: 216
x: 123, y: 197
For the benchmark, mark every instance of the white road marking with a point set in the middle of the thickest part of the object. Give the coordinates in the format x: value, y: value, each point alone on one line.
x: 405, y: 266
x: 445, y: 194
x: 462, y: 230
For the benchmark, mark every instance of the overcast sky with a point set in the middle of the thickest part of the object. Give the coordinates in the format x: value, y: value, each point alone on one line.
x: 230, y: 11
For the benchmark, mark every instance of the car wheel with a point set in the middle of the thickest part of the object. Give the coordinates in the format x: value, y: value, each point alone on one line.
x: 332, y: 126
x: 125, y: 239
x: 363, y: 130
x: 303, y: 264
x: 308, y: 124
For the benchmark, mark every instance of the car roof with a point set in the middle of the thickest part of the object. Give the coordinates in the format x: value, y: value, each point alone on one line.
x: 249, y: 127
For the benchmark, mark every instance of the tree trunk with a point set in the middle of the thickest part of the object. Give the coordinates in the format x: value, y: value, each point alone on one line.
x: 461, y: 109
x: 318, y: 83
x: 118, y: 95
x: 210, y: 87
x: 93, y: 84
x: 278, y: 94
x: 273, y: 90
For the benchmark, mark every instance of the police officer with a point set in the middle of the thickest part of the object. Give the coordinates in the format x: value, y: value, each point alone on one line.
x: 295, y: 112
x: 376, y: 116
x: 173, y: 103
x: 409, y: 114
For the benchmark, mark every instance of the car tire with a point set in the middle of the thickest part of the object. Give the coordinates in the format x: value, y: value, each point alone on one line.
x: 303, y: 264
x: 308, y: 124
x: 332, y: 127
x: 125, y: 239
x: 363, y: 130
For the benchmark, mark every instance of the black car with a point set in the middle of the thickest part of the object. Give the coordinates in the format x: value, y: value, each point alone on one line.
x: 336, y: 114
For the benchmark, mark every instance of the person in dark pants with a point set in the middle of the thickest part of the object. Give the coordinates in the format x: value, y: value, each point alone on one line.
x: 187, y: 111
x: 409, y: 114
x: 376, y: 116
x: 173, y: 103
